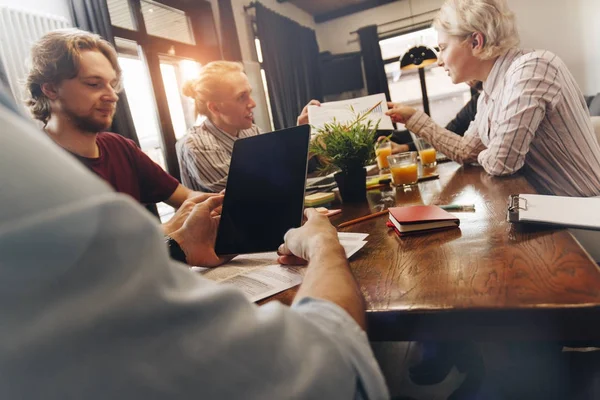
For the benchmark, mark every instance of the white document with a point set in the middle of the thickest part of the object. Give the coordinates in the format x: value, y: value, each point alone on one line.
x: 262, y: 282
x: 259, y: 276
x: 341, y: 111
x: 575, y: 212
x: 352, y: 236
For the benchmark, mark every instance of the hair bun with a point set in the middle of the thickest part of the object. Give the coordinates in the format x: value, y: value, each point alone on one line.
x: 188, y: 88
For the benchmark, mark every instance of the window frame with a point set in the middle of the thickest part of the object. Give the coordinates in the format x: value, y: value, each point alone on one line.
x: 421, y: 71
x: 153, y: 47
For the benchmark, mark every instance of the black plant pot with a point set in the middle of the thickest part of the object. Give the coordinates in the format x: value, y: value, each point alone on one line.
x: 352, y: 185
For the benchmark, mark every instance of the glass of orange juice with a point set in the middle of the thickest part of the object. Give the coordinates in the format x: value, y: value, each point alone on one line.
x: 404, y: 169
x: 382, y: 150
x: 427, y: 153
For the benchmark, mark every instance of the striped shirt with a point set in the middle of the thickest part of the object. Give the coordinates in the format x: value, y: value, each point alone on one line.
x: 530, y: 116
x: 204, y: 155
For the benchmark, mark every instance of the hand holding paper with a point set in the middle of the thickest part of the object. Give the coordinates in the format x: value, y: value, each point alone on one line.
x: 259, y: 276
x: 318, y: 116
x: 315, y: 235
x: 400, y: 113
x: 303, y: 117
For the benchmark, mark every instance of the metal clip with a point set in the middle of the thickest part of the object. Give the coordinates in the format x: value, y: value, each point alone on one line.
x: 517, y: 203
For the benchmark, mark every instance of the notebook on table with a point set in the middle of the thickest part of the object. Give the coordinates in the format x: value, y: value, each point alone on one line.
x: 420, y: 219
x: 573, y: 212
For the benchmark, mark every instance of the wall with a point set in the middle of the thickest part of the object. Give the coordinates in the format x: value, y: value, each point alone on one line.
x: 335, y: 35
x: 589, y: 15
x: 569, y: 28
x: 55, y: 7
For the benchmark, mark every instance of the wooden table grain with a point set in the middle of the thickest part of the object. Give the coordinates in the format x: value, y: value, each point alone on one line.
x: 490, y: 279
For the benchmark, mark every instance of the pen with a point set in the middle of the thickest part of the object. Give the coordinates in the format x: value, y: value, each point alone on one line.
x: 458, y: 207
x: 321, y: 187
x: 378, y: 186
x: 361, y: 219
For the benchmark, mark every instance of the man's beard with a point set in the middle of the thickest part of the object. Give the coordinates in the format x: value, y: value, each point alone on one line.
x: 88, y: 124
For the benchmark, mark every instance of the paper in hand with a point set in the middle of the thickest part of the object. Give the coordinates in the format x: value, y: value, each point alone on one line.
x: 341, y: 111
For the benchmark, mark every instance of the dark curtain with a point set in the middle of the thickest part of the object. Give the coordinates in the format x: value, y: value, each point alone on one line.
x: 291, y: 63
x: 372, y: 61
x: 229, y: 38
x: 92, y: 16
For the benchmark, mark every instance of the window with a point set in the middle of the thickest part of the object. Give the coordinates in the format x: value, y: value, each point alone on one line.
x: 120, y: 14
x: 445, y: 98
x: 263, y: 78
x: 175, y: 73
x: 167, y: 22
x: 159, y: 49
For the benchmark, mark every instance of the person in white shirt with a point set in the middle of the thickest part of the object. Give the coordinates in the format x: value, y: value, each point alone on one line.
x: 92, y: 307
x: 531, y: 116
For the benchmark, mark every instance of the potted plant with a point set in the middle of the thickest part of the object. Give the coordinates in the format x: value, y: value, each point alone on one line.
x: 347, y: 147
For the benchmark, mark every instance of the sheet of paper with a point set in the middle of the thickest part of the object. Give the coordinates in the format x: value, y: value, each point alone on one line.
x: 352, y: 236
x: 266, y: 281
x: 320, y: 180
x: 341, y: 111
x: 259, y: 276
x: 579, y: 212
x: 351, y: 247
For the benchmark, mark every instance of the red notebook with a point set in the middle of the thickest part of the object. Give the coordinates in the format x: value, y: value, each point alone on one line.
x: 420, y: 219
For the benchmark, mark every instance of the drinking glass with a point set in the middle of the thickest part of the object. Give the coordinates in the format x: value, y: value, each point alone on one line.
x: 427, y: 153
x: 382, y: 150
x: 404, y: 169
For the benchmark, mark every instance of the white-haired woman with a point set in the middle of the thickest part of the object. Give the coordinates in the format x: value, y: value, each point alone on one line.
x: 531, y: 115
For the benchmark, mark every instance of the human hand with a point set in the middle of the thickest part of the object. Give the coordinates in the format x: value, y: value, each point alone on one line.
x: 399, y: 148
x: 303, y: 117
x: 396, y: 148
x: 184, y: 211
x: 302, y: 244
x: 198, y: 233
x: 400, y: 113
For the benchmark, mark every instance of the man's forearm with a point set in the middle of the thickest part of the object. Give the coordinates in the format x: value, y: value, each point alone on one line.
x: 329, y: 277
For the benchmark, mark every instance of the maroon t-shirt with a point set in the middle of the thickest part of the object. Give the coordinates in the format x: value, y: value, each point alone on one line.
x: 129, y: 170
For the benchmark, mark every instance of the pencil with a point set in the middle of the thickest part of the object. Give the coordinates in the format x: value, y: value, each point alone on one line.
x: 366, y: 113
x: 375, y: 106
x: 361, y: 219
x: 379, y: 186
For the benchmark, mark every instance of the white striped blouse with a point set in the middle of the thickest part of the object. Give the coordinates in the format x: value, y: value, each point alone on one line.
x: 532, y: 117
x: 204, y: 155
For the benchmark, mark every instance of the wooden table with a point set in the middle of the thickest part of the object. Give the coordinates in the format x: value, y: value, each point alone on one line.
x: 489, y: 280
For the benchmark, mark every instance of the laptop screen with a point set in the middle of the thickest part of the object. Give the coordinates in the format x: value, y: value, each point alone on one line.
x: 264, y: 196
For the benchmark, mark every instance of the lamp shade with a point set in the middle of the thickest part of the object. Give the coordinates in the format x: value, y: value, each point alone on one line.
x: 418, y: 57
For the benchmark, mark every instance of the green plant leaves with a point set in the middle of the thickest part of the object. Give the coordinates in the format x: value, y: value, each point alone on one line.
x: 346, y: 146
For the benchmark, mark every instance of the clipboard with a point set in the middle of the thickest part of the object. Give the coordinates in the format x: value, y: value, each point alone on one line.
x: 571, y: 212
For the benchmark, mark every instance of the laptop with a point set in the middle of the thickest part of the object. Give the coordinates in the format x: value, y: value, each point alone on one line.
x: 264, y: 196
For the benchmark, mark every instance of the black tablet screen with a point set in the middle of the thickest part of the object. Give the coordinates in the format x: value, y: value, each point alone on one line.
x: 264, y: 196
